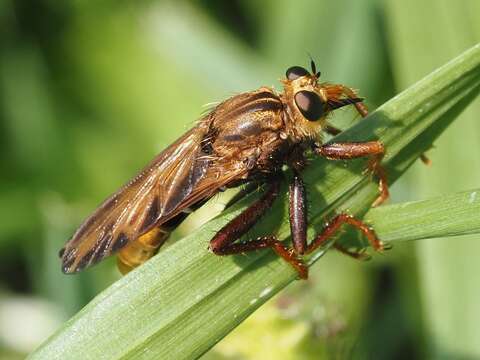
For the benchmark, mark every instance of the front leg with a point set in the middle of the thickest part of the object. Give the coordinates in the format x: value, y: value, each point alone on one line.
x: 352, y: 150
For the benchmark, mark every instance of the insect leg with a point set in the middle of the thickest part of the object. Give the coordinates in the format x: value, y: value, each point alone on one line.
x: 298, y: 214
x: 335, y: 225
x: 298, y: 222
x: 262, y: 243
x: 360, y: 106
x: 363, y: 111
x: 338, y: 92
x: 352, y: 150
x: 223, y: 242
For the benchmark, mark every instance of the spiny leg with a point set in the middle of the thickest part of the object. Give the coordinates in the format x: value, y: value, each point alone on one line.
x: 298, y: 225
x: 333, y: 226
x: 343, y: 95
x: 363, y: 111
x: 223, y: 242
x: 298, y: 214
x: 298, y: 220
x: 375, y: 166
x: 262, y: 243
x: 352, y: 150
x: 298, y: 201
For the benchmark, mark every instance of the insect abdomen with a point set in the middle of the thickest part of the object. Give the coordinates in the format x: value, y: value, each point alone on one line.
x: 147, y: 245
x: 142, y: 249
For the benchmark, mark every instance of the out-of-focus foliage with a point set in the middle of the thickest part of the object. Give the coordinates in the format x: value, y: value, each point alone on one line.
x: 90, y: 91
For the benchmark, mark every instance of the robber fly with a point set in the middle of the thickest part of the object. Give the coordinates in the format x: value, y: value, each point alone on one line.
x: 248, y: 138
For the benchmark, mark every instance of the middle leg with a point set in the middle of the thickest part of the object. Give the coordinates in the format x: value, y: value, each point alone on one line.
x: 298, y: 225
x: 298, y: 214
x: 223, y: 243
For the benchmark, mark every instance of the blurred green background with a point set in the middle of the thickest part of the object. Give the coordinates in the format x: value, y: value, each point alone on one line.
x: 91, y: 91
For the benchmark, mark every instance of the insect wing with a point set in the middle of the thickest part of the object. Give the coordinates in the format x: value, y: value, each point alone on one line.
x: 147, y: 200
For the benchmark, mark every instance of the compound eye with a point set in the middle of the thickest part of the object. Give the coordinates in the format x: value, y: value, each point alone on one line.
x: 309, y: 104
x: 295, y: 72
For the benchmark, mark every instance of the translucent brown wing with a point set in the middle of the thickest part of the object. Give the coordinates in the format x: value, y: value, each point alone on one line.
x: 159, y: 192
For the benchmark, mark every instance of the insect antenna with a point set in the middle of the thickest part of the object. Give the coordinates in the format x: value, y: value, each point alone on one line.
x: 313, y: 66
x: 314, y: 69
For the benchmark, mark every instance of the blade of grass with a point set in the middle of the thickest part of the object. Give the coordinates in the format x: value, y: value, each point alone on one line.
x: 406, y: 221
x: 445, y: 269
x: 184, y: 300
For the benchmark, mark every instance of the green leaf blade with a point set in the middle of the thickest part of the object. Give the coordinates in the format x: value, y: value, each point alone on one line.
x: 448, y: 215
